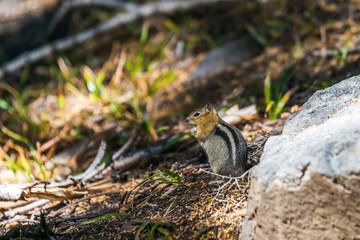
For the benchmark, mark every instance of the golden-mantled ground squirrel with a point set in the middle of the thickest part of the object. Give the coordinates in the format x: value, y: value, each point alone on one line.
x: 224, y: 144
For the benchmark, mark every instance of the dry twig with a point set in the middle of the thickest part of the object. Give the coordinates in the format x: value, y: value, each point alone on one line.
x: 22, y: 209
x: 331, y: 52
x: 127, y: 145
x: 232, y: 181
x: 74, y: 203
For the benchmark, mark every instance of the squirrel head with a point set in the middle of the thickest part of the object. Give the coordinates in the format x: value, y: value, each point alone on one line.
x: 203, y: 117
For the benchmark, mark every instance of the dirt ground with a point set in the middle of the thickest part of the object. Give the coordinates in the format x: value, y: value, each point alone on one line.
x: 202, y: 206
x: 187, y: 210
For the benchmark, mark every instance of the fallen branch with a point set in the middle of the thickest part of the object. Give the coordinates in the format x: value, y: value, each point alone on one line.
x: 53, y: 191
x: 143, y: 11
x: 76, y: 4
x: 128, y: 162
x: 61, y: 190
x: 136, y: 158
x: 127, y: 145
x: 18, y: 219
x: 332, y: 52
x: 25, y: 208
x: 57, y: 194
x: 75, y: 187
x: 75, y: 203
x: 95, y: 166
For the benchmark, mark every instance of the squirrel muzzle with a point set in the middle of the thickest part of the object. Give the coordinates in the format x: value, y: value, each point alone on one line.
x: 190, y: 122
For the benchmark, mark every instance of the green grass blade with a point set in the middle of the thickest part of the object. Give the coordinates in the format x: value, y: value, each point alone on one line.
x: 162, y: 82
x: 267, y: 89
x: 147, y: 179
x: 108, y: 215
x: 144, y: 33
x: 172, y: 26
x: 28, y: 143
x: 281, y: 103
x: 258, y: 36
x: 6, y: 106
x: 174, y: 140
x: 173, y: 175
x: 269, y: 106
x: 345, y: 51
x: 61, y: 101
x: 278, y: 24
x: 25, y: 164
x: 9, y: 160
x: 152, y: 229
x: 281, y: 82
x: 16, y: 136
x: 24, y: 76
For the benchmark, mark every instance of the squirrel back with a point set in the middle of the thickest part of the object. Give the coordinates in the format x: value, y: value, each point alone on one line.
x: 223, y: 143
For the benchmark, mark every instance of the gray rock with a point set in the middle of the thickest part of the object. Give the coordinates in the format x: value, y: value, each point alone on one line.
x: 307, y: 185
x: 228, y: 54
x: 323, y: 104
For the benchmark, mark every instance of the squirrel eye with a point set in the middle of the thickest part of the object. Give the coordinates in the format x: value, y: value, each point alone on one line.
x: 196, y: 114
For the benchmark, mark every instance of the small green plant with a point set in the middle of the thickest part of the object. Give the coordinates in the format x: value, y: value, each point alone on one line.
x: 259, y: 36
x: 275, y: 99
x: 94, y: 83
x: 34, y: 153
x: 16, y: 107
x: 174, y: 140
x: 341, y: 55
x: 165, y: 176
x: 105, y: 216
x: 152, y: 227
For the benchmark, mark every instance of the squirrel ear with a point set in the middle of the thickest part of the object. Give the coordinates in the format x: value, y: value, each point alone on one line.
x: 208, y: 108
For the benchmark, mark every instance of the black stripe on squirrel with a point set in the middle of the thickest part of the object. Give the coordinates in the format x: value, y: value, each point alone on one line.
x: 223, y: 143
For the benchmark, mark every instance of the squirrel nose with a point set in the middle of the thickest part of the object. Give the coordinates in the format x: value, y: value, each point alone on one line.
x: 187, y: 120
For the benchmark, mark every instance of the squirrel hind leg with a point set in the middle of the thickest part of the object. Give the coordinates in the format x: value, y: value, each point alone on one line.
x: 232, y: 172
x: 228, y: 171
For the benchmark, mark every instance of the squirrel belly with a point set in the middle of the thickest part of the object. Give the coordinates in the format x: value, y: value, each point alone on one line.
x: 226, y: 151
x: 223, y: 143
